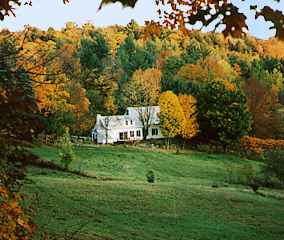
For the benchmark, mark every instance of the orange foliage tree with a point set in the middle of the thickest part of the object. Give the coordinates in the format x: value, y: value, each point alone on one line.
x: 262, y: 101
x: 14, y: 222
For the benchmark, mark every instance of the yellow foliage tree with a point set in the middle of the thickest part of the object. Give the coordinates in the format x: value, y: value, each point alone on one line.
x: 192, y: 72
x: 273, y: 48
x: 146, y: 85
x: 188, y: 104
x: 144, y: 90
x: 51, y: 97
x: 210, y: 68
x: 172, y: 117
x: 114, y: 36
x: 109, y: 105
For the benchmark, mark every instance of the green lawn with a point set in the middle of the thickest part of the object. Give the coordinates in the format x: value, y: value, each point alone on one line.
x: 181, y: 205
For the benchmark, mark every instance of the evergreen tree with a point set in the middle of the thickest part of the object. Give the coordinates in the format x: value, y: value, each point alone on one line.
x: 223, y: 113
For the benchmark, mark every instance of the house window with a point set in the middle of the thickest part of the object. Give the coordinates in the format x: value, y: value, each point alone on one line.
x: 155, y: 131
x: 125, y: 135
x: 131, y: 122
x: 126, y: 122
x: 121, y: 136
x: 131, y: 133
x: 138, y: 133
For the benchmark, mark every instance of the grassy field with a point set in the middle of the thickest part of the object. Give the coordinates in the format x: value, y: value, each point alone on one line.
x: 182, y: 204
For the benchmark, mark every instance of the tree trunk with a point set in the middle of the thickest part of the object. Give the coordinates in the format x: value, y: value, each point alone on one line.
x: 145, y: 133
x: 168, y: 143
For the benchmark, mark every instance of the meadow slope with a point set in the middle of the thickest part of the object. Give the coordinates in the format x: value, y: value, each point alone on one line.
x: 182, y: 204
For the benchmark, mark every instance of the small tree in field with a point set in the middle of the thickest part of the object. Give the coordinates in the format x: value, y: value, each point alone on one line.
x: 172, y: 117
x: 66, y: 151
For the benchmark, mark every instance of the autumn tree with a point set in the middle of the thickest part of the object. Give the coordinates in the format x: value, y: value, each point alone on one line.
x: 49, y: 85
x: 172, y: 118
x: 189, y: 107
x: 80, y: 103
x: 206, y: 69
x: 263, y: 90
x: 19, y: 124
x: 115, y: 36
x: 178, y: 71
x: 101, y: 91
x: 143, y: 91
x: 262, y: 101
x: 69, y: 63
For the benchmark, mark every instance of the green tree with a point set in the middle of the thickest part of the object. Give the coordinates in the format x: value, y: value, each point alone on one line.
x: 223, y: 113
x: 131, y: 57
x: 66, y: 151
x: 93, y: 52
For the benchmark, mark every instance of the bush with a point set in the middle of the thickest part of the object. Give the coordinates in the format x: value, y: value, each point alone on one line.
x: 256, y: 147
x: 274, y: 168
x: 243, y: 175
x: 150, y: 176
x: 66, y: 151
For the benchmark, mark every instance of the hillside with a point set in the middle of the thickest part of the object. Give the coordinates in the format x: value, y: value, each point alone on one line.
x: 182, y: 204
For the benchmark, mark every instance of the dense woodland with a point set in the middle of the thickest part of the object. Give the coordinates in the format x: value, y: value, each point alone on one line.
x: 235, y: 85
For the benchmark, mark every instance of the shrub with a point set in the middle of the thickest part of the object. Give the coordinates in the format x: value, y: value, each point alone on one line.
x: 274, y: 168
x: 243, y: 175
x: 66, y: 151
x: 255, y: 147
x: 150, y: 176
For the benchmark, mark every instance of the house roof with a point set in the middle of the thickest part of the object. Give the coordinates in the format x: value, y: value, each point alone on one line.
x: 111, y: 122
x: 119, y: 121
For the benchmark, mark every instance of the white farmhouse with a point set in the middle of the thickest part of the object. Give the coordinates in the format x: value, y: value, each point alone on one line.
x: 128, y: 127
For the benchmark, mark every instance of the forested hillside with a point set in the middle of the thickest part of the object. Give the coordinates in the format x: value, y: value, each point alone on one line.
x: 78, y: 72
